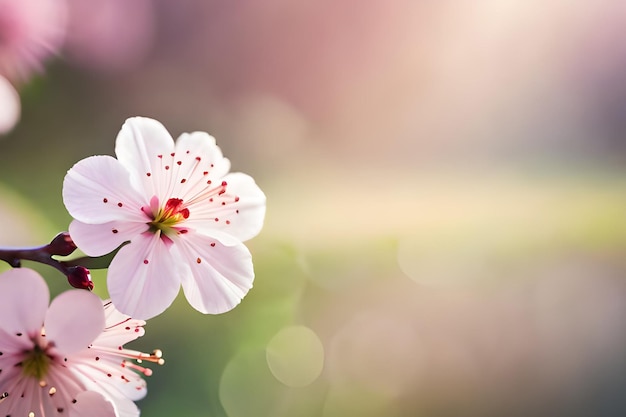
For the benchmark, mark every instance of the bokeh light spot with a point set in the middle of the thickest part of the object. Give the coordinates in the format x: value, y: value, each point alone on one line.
x: 247, y: 388
x: 295, y: 356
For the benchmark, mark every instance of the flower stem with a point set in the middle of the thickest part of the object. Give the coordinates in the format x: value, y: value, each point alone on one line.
x: 76, y: 270
x: 60, y: 245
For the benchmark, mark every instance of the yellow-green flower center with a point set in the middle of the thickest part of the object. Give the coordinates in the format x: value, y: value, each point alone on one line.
x: 36, y: 363
x: 169, y: 216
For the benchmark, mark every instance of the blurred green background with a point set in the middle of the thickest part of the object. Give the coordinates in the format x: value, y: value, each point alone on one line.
x: 446, y: 197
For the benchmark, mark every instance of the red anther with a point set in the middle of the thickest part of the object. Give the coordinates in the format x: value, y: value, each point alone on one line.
x: 173, y: 205
x: 79, y: 277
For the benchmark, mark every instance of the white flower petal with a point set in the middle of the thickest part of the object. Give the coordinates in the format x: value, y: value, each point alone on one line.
x: 125, y: 407
x: 24, y: 298
x: 120, y: 382
x: 119, y: 328
x: 138, y: 146
x: 91, y: 404
x: 98, y: 190
x: 240, y: 211
x: 195, y: 164
x: 67, y: 385
x: 100, y: 239
x: 220, y: 275
x: 27, y: 401
x: 143, y: 278
x: 203, y: 145
x: 10, y: 105
x: 75, y: 318
x: 11, y: 342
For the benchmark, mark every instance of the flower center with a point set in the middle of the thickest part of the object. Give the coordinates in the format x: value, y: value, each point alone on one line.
x: 36, y: 363
x: 168, y: 216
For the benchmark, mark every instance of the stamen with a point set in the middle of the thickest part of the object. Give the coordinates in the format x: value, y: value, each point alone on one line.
x: 154, y: 357
x: 174, y: 207
x: 138, y: 368
x: 209, y: 192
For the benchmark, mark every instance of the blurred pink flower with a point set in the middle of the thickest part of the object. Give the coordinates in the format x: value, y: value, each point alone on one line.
x: 112, y: 35
x: 51, y: 356
x: 184, y: 216
x: 30, y: 31
x: 10, y: 105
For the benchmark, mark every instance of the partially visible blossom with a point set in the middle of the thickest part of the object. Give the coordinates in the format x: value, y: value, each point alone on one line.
x: 68, y: 357
x: 10, y: 105
x: 182, y: 216
x: 30, y: 32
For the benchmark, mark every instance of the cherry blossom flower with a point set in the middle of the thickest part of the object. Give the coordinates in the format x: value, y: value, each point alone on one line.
x: 67, y: 358
x: 182, y: 216
x: 30, y: 31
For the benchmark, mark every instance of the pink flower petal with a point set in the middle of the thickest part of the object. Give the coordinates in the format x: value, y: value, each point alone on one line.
x: 98, y: 190
x: 138, y: 146
x: 100, y: 239
x: 27, y: 401
x: 92, y: 404
x: 240, y: 211
x: 119, y: 328
x: 75, y: 318
x: 211, y: 158
x: 67, y: 385
x: 24, y: 298
x: 143, y: 278
x: 123, y: 384
x: 220, y: 275
x: 10, y: 105
x: 195, y: 163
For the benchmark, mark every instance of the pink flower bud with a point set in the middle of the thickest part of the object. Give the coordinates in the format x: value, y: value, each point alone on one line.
x: 79, y: 277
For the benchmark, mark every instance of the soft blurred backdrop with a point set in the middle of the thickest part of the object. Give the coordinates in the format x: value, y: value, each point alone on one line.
x: 446, y: 184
